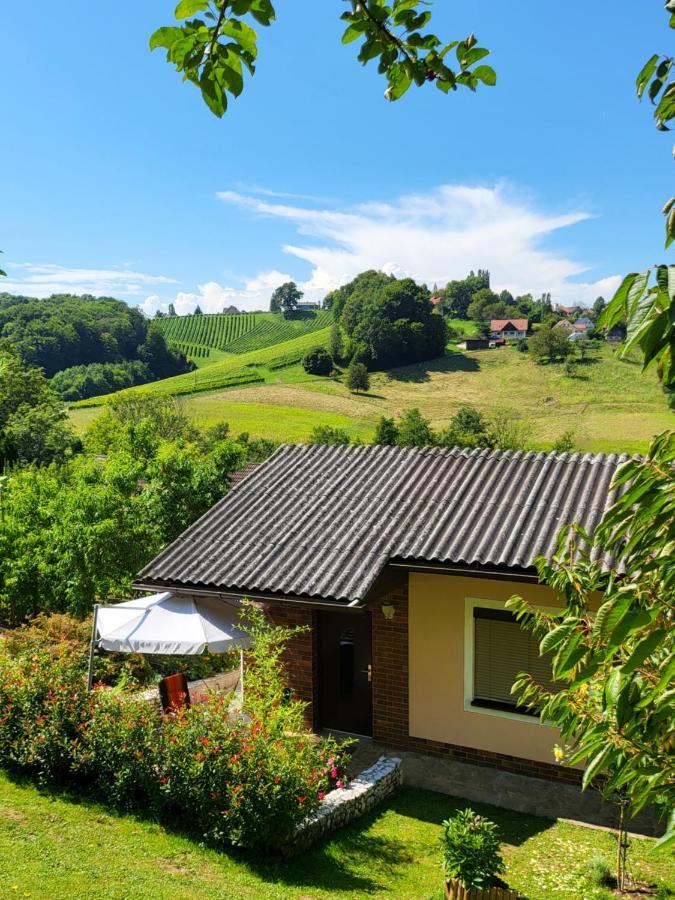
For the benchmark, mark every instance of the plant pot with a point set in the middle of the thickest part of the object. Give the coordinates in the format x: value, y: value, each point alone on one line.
x: 455, y: 890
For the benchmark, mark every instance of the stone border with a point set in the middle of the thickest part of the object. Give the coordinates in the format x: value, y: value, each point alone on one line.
x: 343, y: 805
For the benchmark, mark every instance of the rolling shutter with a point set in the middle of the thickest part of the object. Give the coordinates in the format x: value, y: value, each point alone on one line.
x: 502, y: 649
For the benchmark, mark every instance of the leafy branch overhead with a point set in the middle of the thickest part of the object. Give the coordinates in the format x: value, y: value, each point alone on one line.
x: 216, y: 43
x: 655, y: 81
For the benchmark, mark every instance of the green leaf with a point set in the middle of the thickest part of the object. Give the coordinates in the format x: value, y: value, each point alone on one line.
x: 646, y: 73
x: 556, y: 637
x: 486, y: 74
x: 399, y: 81
x: 644, y: 649
x: 187, y: 8
x: 165, y: 37
x: 613, y: 688
x: 245, y: 36
x: 353, y: 32
x: 610, y: 614
x: 595, y: 766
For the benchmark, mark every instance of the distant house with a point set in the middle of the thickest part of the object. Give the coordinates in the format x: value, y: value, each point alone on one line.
x: 578, y: 336
x: 436, y: 299
x: 309, y: 304
x: 583, y: 323
x: 570, y: 310
x: 509, y: 329
x: 564, y: 325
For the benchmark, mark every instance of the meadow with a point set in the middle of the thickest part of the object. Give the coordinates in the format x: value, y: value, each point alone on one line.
x: 608, y: 403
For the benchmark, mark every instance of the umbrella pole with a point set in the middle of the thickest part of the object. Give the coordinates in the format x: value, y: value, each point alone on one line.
x: 92, y: 647
x: 241, y: 673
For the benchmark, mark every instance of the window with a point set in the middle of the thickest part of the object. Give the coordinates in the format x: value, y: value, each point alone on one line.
x: 501, y: 650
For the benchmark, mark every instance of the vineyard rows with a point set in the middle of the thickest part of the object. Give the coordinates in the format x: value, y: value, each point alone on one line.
x: 237, y: 333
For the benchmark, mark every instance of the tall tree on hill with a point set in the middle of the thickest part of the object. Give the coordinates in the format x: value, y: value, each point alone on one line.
x: 285, y: 299
x: 172, y: 310
x: 198, y: 311
x: 458, y: 294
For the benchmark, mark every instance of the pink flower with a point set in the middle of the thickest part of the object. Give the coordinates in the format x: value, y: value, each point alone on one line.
x: 322, y: 794
x: 340, y: 783
x: 333, y: 772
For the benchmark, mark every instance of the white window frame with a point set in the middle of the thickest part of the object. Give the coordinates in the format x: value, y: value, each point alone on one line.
x: 471, y: 603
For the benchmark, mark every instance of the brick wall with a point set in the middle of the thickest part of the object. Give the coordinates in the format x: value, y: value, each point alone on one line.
x: 390, y: 697
x: 390, y: 682
x: 300, y: 656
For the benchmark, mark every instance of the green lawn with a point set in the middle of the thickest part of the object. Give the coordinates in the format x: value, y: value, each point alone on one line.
x: 609, y: 404
x: 53, y: 847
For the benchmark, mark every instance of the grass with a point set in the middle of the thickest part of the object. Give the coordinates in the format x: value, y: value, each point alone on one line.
x: 52, y: 846
x: 609, y: 404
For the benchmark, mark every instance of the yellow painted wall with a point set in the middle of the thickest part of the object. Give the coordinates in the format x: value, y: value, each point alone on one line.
x: 436, y: 674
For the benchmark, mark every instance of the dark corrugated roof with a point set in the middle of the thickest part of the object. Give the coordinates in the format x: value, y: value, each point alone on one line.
x: 322, y: 521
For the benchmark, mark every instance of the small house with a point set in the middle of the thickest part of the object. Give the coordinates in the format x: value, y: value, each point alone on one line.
x: 509, y: 329
x: 399, y: 562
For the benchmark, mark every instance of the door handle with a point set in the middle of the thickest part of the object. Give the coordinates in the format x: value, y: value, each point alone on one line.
x: 368, y: 672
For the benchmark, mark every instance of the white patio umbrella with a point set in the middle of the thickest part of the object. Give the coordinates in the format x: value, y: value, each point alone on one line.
x: 166, y: 623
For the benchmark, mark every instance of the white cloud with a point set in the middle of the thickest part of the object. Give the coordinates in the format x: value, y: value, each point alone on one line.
x: 41, y: 280
x: 213, y: 297
x: 435, y: 237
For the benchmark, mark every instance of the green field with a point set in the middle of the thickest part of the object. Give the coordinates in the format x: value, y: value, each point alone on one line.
x: 200, y: 337
x: 52, y: 846
x: 609, y: 404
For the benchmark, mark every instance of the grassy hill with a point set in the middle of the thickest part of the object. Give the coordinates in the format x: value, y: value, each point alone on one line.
x: 609, y: 404
x: 231, y: 370
x: 204, y: 337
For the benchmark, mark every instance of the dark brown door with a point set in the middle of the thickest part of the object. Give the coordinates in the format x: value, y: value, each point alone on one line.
x: 345, y: 672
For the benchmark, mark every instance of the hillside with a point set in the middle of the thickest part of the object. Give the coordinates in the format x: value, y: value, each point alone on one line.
x: 199, y: 336
x: 232, y: 370
x: 609, y: 404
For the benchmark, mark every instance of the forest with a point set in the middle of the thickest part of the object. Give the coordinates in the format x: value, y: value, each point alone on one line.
x: 95, y: 344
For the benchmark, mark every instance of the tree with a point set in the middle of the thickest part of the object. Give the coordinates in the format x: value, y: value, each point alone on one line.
x: 414, y: 430
x: 172, y: 310
x: 198, y: 311
x: 212, y: 52
x: 285, y: 299
x: 458, y: 294
x: 389, y: 321
x: 615, y: 667
x: 485, y: 304
x: 336, y: 345
x: 549, y: 344
x: 467, y: 428
x: 598, y: 307
x: 386, y: 432
x: 318, y: 362
x: 357, y: 377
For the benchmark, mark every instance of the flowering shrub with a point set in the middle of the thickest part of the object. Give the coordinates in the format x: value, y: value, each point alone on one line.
x: 245, y: 779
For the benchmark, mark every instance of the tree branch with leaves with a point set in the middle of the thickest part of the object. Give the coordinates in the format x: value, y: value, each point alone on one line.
x: 216, y: 43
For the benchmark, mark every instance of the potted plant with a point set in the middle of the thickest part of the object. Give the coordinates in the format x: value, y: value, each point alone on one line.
x: 472, y: 860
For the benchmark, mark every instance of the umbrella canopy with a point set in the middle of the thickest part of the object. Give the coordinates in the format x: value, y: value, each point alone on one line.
x: 170, y: 624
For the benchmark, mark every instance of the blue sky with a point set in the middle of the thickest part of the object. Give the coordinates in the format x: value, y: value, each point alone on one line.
x: 115, y: 178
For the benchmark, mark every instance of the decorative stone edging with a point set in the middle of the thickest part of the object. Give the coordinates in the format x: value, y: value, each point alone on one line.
x: 343, y: 805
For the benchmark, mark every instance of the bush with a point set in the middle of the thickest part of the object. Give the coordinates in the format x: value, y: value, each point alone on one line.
x: 324, y: 434
x: 246, y: 779
x: 386, y: 432
x: 414, y: 430
x: 318, y: 362
x: 471, y: 850
x: 599, y: 872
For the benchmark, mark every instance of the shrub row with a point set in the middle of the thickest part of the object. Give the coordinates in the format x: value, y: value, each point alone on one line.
x: 235, y: 780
